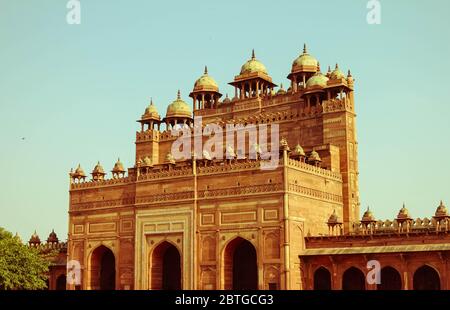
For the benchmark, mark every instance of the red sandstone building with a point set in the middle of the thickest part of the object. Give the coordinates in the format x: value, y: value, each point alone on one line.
x: 202, y: 223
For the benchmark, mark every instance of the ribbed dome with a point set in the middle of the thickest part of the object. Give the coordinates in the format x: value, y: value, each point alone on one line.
x: 317, y: 80
x: 206, y: 82
x: 298, y: 151
x: 52, y: 237
x: 403, y: 213
x: 368, y: 216
x: 337, y: 74
x: 151, y: 112
x: 304, y: 60
x: 226, y: 100
x: 35, y: 238
x: 118, y: 167
x: 79, y: 172
x: 98, y: 169
x: 178, y: 108
x: 281, y: 91
x: 253, y: 65
x: 333, y: 219
x: 441, y: 210
x: 314, y: 156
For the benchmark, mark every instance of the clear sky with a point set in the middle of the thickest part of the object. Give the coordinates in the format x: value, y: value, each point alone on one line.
x: 71, y: 94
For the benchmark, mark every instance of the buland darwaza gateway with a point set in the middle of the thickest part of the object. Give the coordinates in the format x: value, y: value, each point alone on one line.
x: 203, y: 223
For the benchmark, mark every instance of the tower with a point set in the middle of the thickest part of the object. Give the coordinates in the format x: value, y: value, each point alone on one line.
x: 339, y: 128
x: 147, y: 139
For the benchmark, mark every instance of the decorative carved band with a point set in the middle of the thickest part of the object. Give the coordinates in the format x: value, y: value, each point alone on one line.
x: 305, y: 191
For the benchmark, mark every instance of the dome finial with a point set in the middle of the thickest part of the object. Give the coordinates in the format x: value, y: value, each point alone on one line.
x: 329, y: 69
x: 179, y: 94
x: 305, y: 51
x: 318, y: 67
x: 253, y: 54
x: 206, y: 70
x: 337, y: 66
x: 349, y: 73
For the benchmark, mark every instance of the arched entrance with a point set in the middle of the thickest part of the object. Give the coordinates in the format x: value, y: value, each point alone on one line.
x: 322, y: 279
x: 165, y: 267
x: 61, y: 283
x: 240, y: 265
x: 353, y: 279
x: 103, y: 269
x: 426, y: 278
x: 390, y: 279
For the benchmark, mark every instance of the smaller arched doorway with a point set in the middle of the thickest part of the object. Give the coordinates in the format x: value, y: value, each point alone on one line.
x: 426, y: 278
x: 322, y: 279
x: 61, y: 282
x: 390, y: 279
x: 103, y: 269
x: 165, y: 267
x: 353, y: 280
x: 240, y: 265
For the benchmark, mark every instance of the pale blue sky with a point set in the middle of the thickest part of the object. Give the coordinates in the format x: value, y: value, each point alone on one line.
x: 74, y: 91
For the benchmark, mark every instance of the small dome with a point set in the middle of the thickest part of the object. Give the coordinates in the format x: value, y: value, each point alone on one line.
x: 98, y: 169
x: 284, y: 145
x: 151, y: 112
x: 178, y: 108
x: 368, y: 216
x: 441, y: 210
x: 298, y: 151
x: 52, y: 237
x: 281, y: 91
x: 206, y: 82
x: 118, y: 167
x: 253, y: 65
x: 403, y: 213
x: 337, y: 74
x: 170, y: 158
x: 305, y: 60
x: 79, y: 172
x: 333, y: 219
x: 314, y: 156
x: 317, y: 80
x: 147, y: 162
x: 35, y: 238
x: 226, y: 100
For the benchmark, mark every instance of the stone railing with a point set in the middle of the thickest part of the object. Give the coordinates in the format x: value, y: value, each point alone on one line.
x: 315, y: 170
x: 226, y: 167
x: 389, y: 226
x: 165, y: 173
x: 335, y: 105
x: 92, y: 183
x: 313, y: 193
x: 147, y: 135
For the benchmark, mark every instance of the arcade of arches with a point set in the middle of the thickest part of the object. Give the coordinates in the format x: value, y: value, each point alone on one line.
x: 424, y: 277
